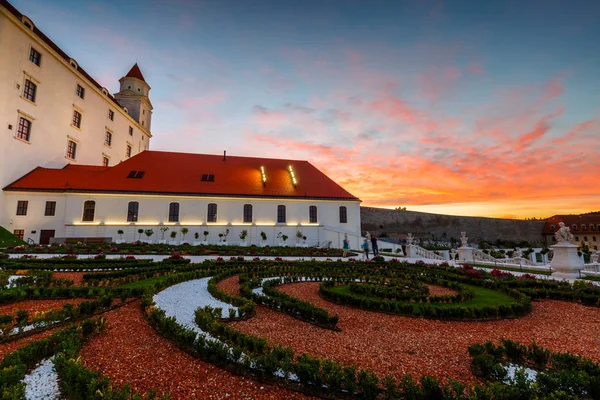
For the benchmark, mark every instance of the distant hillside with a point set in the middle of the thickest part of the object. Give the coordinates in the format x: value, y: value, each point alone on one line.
x: 443, y: 227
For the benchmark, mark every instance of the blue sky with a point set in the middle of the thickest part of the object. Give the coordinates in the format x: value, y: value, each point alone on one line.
x: 449, y: 106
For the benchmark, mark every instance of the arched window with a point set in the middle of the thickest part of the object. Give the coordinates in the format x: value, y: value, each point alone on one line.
x: 211, y: 216
x: 281, y: 214
x: 247, y: 212
x: 343, y: 215
x: 174, y: 212
x: 552, y: 228
x: 89, y: 207
x: 312, y: 214
x: 132, y: 211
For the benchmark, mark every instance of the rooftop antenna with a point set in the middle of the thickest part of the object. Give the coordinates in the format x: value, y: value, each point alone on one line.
x: 224, y: 155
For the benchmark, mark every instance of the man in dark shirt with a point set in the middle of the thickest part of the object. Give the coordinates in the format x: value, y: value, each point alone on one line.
x: 374, y: 246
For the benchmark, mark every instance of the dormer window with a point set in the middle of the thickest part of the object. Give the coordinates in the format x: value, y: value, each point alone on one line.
x: 575, y: 227
x: 27, y: 22
x: 208, y: 178
x: 136, y: 174
x: 583, y: 227
x: 73, y: 63
x: 552, y: 228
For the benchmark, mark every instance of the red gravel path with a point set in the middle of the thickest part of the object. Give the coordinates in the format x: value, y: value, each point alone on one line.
x: 9, y: 347
x: 76, y: 277
x: 33, y: 306
x: 390, y: 344
x: 230, y: 285
x: 130, y: 351
x: 435, y: 290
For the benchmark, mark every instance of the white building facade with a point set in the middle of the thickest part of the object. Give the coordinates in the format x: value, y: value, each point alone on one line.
x: 52, y: 113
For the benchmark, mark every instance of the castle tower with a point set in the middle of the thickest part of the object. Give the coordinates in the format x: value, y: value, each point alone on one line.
x: 133, y: 95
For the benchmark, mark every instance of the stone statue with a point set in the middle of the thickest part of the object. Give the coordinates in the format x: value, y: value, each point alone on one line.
x: 464, y: 239
x: 409, y: 239
x: 517, y: 253
x: 368, y: 236
x: 563, y: 234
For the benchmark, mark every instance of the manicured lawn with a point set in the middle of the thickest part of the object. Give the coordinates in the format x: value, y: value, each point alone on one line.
x: 483, y: 297
x: 8, y: 239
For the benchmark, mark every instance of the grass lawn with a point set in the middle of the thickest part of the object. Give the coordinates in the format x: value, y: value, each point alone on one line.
x: 482, y: 297
x: 540, y: 271
x: 8, y: 239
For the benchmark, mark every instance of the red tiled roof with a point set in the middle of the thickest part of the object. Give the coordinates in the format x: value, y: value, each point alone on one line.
x: 181, y: 174
x: 135, y: 72
x: 588, y: 220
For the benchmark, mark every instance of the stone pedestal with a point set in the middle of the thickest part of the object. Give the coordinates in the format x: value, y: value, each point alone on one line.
x: 465, y: 253
x: 565, y: 264
x: 411, y: 251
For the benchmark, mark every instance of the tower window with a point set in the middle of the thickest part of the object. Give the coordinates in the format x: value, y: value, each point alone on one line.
x: 89, y: 209
x: 35, y: 56
x: 343, y: 215
x: 111, y: 115
x: 24, y: 130
x: 105, y: 161
x: 50, y: 210
x: 80, y: 91
x: 211, y: 215
x: 247, y: 212
x: 132, y: 211
x: 312, y: 214
x: 130, y: 131
x: 22, y: 207
x: 174, y: 212
x: 281, y: 214
x: 29, y: 90
x: 76, y: 119
x: 108, y: 138
x: 128, y: 151
x: 71, y: 149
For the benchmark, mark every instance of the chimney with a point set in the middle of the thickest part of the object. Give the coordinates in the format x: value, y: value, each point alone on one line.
x: 224, y: 155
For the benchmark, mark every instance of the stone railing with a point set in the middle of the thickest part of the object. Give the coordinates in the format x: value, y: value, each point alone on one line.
x: 479, y: 255
x: 514, y: 260
x: 591, y: 267
x: 413, y: 250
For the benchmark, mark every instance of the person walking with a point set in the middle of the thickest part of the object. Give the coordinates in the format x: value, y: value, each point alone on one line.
x: 346, y: 246
x: 374, y: 246
x: 365, y: 246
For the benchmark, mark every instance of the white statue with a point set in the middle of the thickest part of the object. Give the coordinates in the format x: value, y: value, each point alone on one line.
x: 464, y: 239
x: 409, y: 239
x: 563, y: 234
x: 368, y: 236
x: 517, y: 253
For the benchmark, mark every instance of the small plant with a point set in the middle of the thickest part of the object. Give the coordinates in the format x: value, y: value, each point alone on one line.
x: 205, y: 233
x: 284, y: 238
x: 243, y: 234
x: 163, y: 229
x: 196, y: 235
x: 184, y: 231
x: 140, y: 231
x: 299, y: 234
x: 225, y: 234
x: 173, y: 235
x: 120, y: 233
x: 263, y: 236
x: 149, y: 232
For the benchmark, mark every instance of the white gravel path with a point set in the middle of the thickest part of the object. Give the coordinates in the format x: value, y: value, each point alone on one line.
x: 182, y: 300
x: 42, y: 382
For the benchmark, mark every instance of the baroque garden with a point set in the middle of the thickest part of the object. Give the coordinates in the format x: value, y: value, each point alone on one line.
x: 143, y: 320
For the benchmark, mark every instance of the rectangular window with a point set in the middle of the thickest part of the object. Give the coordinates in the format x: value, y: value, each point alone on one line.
x: 80, y: 91
x: 343, y: 215
x: 24, y: 129
x: 77, y: 119
x: 71, y: 149
x: 50, y: 209
x: 585, y: 238
x: 132, y: 211
x: 312, y: 214
x: 281, y: 215
x: 128, y: 151
x: 108, y: 138
x: 174, y: 212
x: 111, y: 115
x: 19, y: 233
x: 89, y: 209
x: 105, y: 161
x: 212, y: 213
x: 130, y: 131
x: 593, y: 238
x: 29, y: 90
x: 22, y: 207
x: 247, y: 212
x: 35, y: 57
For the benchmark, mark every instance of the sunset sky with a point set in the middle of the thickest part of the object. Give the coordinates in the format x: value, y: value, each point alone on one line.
x: 488, y: 108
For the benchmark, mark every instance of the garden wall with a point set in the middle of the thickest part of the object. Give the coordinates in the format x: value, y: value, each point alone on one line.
x: 443, y: 227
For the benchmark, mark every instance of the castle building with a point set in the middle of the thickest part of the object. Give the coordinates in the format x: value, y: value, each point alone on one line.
x: 584, y: 227
x: 75, y: 163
